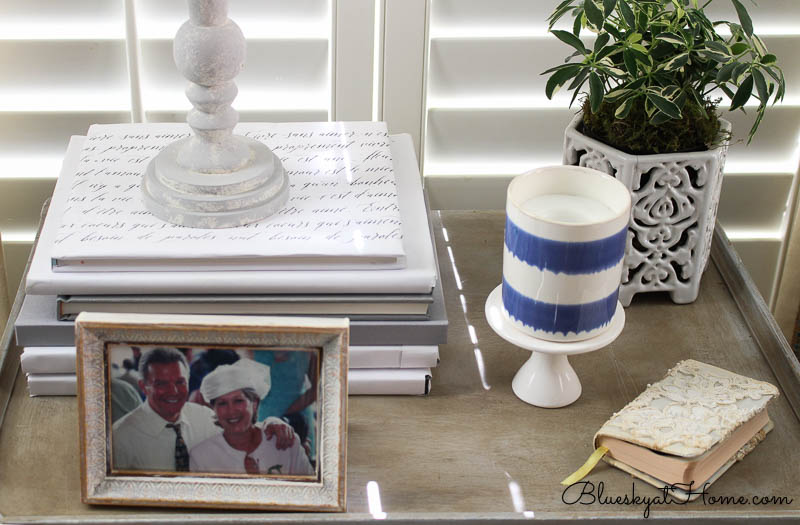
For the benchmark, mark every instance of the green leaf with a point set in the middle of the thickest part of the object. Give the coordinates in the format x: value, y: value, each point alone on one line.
x: 560, y: 11
x: 679, y: 12
x: 560, y: 67
x: 662, y: 78
x: 634, y: 38
x: 593, y: 13
x: 595, y: 91
x: 664, y: 105
x: 576, y: 91
x: 642, y: 21
x: 659, y: 118
x: 725, y: 72
x: 737, y: 32
x: 565, y: 3
x: 579, y: 80
x: 606, y: 52
x: 578, y: 24
x: 613, y: 31
x: 725, y: 89
x: 761, y: 86
x: 744, y: 18
x: 759, y: 116
x: 608, y: 6
x: 775, y: 72
x: 697, y: 99
x: 630, y: 62
x: 743, y: 93
x: 636, y: 84
x: 769, y: 59
x: 670, y: 92
x: 617, y: 94
x: 713, y: 55
x: 627, y: 13
x: 781, y: 90
x: 600, y: 42
x: 680, y: 100
x: 611, y: 71
x: 570, y: 39
x: 649, y: 108
x: 739, y: 47
x: 624, y: 108
x: 738, y: 72
x: 761, y: 48
x: 559, y: 78
x: 672, y: 38
x: 719, y: 47
x: 677, y: 62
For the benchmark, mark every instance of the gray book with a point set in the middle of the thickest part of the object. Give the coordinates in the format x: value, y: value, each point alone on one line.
x: 399, y: 307
x: 37, y: 325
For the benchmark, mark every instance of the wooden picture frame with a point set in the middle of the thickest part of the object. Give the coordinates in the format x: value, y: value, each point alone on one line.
x: 100, y: 339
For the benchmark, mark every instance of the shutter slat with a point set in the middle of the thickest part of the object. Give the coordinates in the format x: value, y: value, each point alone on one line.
x: 71, y: 75
x: 21, y: 200
x: 754, y: 202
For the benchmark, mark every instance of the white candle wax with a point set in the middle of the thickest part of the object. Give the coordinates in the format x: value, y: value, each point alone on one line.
x: 570, y: 209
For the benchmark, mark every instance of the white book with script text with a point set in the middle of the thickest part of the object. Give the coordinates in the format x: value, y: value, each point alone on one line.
x: 342, y: 211
x: 418, y: 275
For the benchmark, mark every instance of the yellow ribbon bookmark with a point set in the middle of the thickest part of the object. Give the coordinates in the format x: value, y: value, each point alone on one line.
x: 587, y: 467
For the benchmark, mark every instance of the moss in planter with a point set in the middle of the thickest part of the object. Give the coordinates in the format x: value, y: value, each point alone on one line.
x: 696, y: 131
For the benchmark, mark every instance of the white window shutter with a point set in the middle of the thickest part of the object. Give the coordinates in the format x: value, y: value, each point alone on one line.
x: 404, y: 67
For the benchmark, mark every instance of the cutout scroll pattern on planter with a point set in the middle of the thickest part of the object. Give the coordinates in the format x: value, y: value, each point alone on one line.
x: 664, y: 224
x: 675, y: 199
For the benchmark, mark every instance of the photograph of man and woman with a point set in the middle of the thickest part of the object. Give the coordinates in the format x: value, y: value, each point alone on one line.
x: 213, y: 410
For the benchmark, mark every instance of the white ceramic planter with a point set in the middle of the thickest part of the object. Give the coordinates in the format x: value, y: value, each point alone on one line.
x: 673, y: 212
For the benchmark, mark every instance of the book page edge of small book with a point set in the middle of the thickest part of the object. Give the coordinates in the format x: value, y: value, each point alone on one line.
x: 679, y: 493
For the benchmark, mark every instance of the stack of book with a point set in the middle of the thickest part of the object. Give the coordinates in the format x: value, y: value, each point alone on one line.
x: 353, y: 241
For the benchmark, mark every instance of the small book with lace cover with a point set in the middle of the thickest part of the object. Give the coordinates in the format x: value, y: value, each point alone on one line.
x: 686, y: 430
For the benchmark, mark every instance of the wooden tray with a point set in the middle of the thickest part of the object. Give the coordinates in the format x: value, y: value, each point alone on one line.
x: 458, y: 455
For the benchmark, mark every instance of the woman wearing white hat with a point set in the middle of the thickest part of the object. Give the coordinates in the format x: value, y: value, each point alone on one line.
x: 233, y: 392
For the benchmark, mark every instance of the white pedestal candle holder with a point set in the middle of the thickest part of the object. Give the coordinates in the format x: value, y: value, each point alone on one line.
x: 547, y: 379
x: 565, y: 235
x: 213, y: 179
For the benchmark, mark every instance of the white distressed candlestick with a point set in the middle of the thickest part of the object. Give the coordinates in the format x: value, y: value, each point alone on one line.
x: 213, y: 179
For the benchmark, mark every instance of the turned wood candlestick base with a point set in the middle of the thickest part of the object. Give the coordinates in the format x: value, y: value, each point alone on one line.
x: 213, y: 179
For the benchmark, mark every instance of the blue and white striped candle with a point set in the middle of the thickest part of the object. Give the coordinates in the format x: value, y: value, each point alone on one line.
x: 566, y: 230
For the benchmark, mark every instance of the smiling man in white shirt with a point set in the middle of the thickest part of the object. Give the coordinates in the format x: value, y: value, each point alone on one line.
x: 157, y: 435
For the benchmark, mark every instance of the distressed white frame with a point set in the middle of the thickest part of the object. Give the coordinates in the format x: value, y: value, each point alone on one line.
x: 98, y: 486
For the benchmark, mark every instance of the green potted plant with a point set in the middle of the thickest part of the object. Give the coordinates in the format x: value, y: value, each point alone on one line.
x: 650, y: 117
